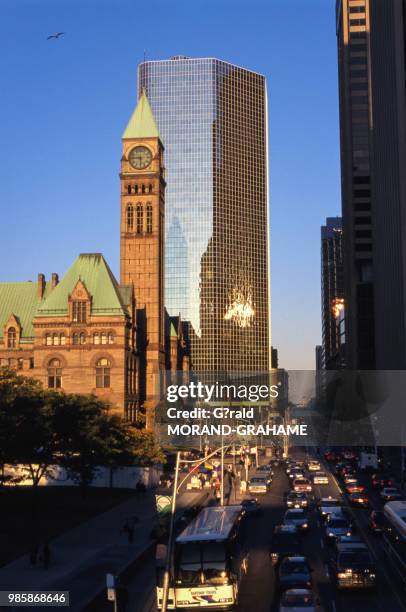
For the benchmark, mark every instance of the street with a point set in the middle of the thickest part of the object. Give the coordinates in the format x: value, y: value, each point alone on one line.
x: 258, y: 588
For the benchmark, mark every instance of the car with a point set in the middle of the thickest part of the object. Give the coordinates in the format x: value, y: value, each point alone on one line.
x: 353, y: 567
x: 332, y: 455
x: 326, y: 505
x: 390, y: 494
x: 284, y: 543
x: 250, y: 506
x: 376, y: 521
x: 349, y: 479
x: 296, y: 472
x: 296, y: 517
x: 358, y: 499
x: 313, y: 466
x: 380, y: 480
x: 302, y: 484
x: 348, y: 539
x: 294, y: 572
x: 298, y: 600
x: 296, y: 499
x: 266, y: 475
x: 320, y: 478
x: 265, y: 469
x: 336, y: 526
x: 350, y: 455
x: 258, y: 484
x: 343, y: 468
x: 354, y: 487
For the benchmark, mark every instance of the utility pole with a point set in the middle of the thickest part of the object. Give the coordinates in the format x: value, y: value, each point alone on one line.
x: 169, y: 549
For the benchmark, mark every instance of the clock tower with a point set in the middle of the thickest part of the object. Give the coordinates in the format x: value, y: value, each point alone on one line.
x: 142, y: 245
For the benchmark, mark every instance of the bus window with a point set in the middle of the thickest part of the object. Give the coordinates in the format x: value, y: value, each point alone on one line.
x: 214, y: 563
x: 190, y: 566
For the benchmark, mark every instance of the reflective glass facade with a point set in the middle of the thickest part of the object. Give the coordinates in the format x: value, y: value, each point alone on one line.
x: 212, y: 119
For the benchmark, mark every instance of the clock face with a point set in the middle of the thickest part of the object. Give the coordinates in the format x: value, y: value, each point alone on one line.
x: 140, y: 157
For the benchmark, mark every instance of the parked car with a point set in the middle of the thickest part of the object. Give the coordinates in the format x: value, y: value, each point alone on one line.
x: 390, y: 494
x: 294, y: 572
x: 320, y: 478
x: 250, y: 506
x: 296, y: 499
x: 359, y: 499
x: 298, y: 600
x: 296, y: 517
x: 302, y: 484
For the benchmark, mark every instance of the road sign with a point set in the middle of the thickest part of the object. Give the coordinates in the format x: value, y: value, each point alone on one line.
x: 163, y: 503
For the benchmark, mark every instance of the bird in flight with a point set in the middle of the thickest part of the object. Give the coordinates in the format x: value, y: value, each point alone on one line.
x: 56, y: 35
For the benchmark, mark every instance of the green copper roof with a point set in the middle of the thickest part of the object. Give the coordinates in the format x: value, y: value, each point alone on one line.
x: 142, y: 123
x: 173, y: 332
x: 93, y: 271
x: 21, y: 300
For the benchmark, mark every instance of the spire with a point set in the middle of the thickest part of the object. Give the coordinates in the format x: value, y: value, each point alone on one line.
x: 142, y: 123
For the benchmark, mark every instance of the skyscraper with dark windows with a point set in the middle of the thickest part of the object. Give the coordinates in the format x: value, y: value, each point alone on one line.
x: 212, y: 118
x: 371, y: 58
x: 332, y: 293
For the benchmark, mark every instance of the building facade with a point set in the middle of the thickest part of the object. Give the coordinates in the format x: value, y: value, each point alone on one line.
x: 87, y: 333
x: 371, y: 59
x: 332, y: 293
x: 212, y: 117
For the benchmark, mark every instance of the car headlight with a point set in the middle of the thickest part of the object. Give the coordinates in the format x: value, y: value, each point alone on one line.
x: 348, y: 533
x: 305, y: 525
x: 372, y: 576
x: 331, y: 534
x: 341, y: 575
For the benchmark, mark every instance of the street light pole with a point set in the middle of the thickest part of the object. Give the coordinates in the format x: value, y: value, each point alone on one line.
x: 169, y: 548
x: 222, y: 474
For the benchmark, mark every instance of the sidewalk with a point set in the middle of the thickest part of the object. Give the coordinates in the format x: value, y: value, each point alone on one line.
x: 81, y: 557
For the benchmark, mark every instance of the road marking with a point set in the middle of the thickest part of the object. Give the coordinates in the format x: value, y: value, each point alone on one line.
x: 326, y: 570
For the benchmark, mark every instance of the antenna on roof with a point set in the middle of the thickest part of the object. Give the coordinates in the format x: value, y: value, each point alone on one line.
x: 145, y: 55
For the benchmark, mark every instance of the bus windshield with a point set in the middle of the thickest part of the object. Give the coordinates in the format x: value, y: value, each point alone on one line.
x: 201, y: 563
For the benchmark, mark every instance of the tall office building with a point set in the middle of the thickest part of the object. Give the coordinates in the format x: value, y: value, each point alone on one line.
x: 212, y: 118
x: 371, y: 57
x: 332, y: 293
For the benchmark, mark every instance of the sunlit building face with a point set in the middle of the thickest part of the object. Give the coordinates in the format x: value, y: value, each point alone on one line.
x: 213, y: 123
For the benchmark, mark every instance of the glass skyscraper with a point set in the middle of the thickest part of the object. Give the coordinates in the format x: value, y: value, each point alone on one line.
x: 212, y: 118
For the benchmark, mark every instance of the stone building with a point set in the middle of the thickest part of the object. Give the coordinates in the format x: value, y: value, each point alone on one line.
x: 87, y: 333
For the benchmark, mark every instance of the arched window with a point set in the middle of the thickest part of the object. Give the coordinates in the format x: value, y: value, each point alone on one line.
x: 130, y: 218
x: 96, y: 338
x: 149, y: 219
x: 140, y: 219
x: 54, y: 374
x: 75, y: 339
x: 143, y: 189
x: 11, y: 337
x: 103, y: 338
x: 62, y: 339
x: 136, y: 189
x: 55, y: 339
x: 150, y: 189
x: 111, y: 338
x: 103, y: 373
x: 128, y: 189
x: 82, y: 338
x: 48, y: 339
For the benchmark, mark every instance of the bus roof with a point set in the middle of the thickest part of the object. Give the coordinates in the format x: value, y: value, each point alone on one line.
x: 214, y: 523
x: 395, y: 512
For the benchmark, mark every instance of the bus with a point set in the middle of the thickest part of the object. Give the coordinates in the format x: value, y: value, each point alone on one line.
x: 394, y: 536
x: 209, y: 562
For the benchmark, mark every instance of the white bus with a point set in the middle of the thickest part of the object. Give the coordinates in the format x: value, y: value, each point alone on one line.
x: 395, y: 535
x: 209, y: 562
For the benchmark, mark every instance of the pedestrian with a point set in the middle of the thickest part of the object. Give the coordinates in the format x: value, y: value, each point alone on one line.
x: 34, y: 549
x: 46, y: 555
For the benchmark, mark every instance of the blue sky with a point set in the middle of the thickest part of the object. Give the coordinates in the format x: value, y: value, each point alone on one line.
x: 65, y: 103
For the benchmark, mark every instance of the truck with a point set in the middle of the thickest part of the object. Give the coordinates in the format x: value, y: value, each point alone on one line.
x: 368, y: 461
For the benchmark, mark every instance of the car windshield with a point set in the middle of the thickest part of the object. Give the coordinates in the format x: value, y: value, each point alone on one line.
x: 257, y: 481
x: 294, y: 514
x: 390, y: 490
x: 354, y: 558
x: 298, y: 600
x: 327, y: 503
x: 338, y: 522
x: 294, y: 567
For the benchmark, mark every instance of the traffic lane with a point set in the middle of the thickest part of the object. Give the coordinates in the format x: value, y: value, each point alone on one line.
x: 258, y: 587
x: 388, y: 593
x: 348, y: 601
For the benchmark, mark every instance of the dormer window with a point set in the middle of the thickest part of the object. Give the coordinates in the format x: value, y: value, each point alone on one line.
x: 79, y: 312
x: 11, y: 337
